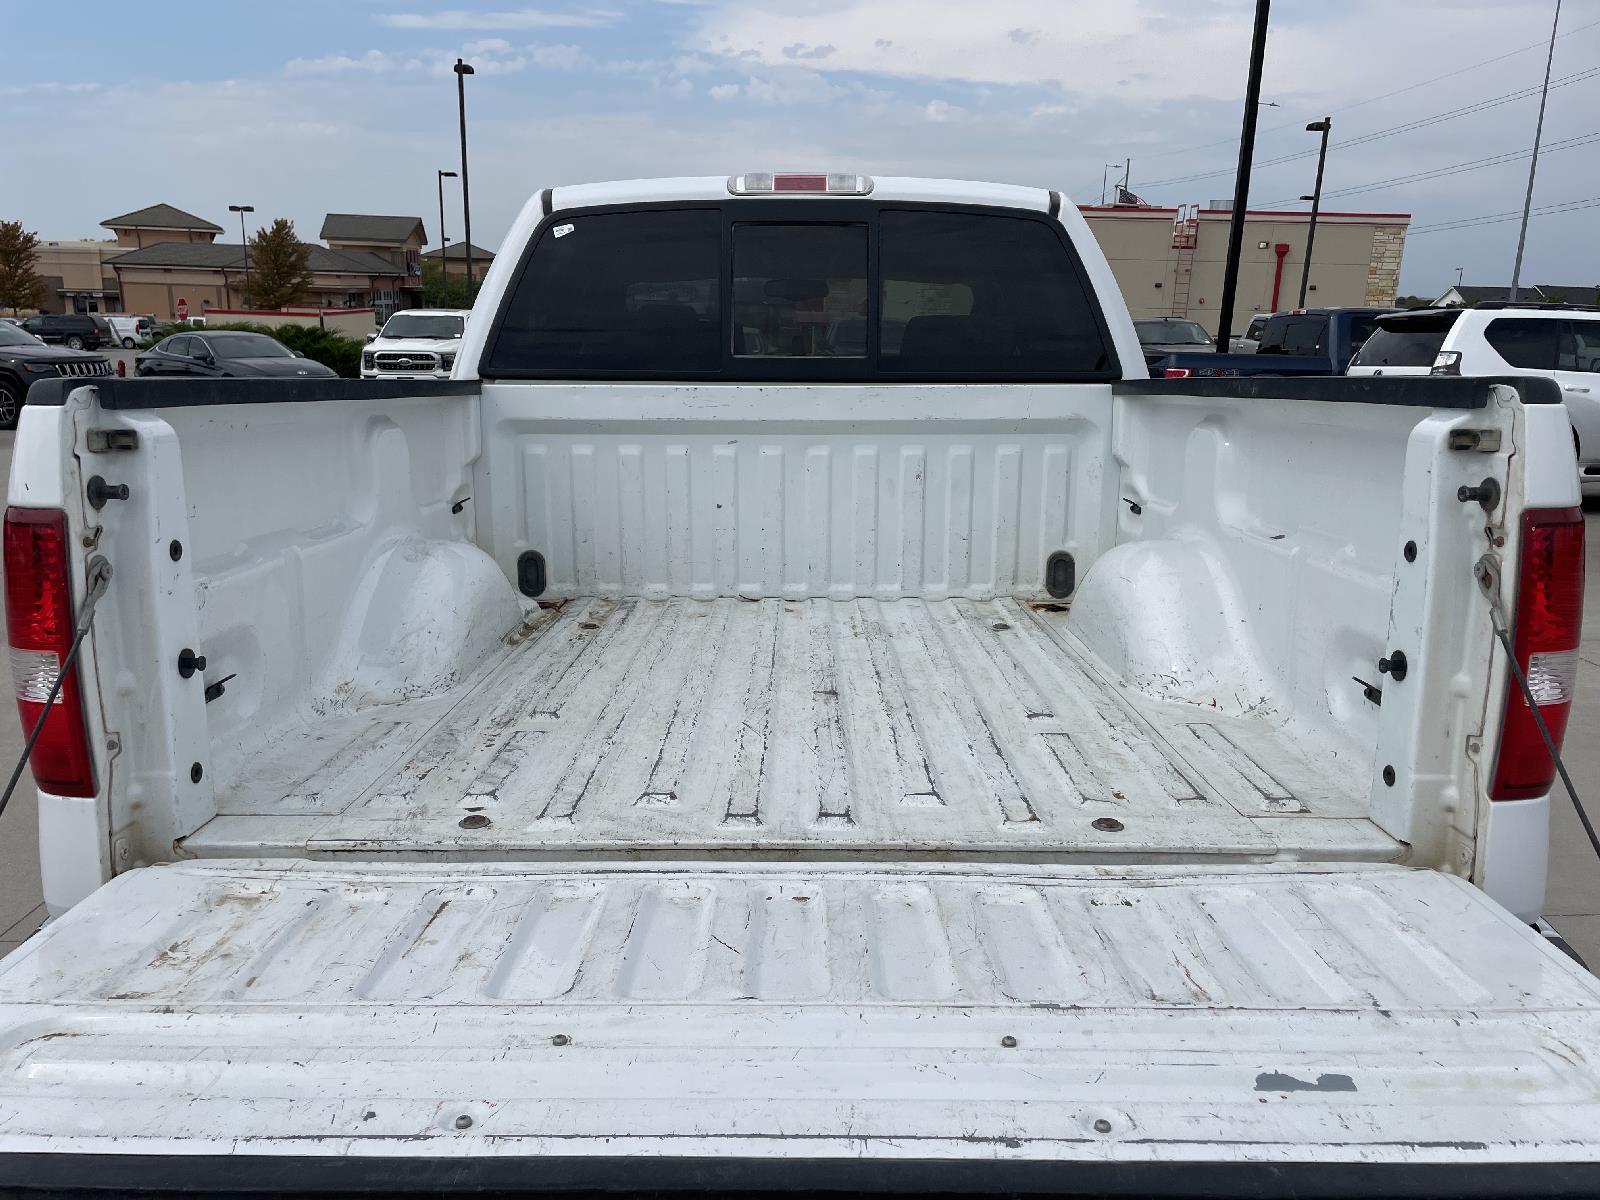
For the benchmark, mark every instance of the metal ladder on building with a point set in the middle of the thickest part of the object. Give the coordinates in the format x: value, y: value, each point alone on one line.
x: 1185, y: 237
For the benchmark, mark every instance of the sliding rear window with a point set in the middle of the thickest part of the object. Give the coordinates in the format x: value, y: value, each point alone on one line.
x: 782, y: 292
x: 621, y: 293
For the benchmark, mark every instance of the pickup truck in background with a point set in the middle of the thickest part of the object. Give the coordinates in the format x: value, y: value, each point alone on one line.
x: 691, y: 751
x: 1312, y: 341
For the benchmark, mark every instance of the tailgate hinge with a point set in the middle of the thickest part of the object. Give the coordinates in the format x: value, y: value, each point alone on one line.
x: 105, y: 441
x: 1485, y: 441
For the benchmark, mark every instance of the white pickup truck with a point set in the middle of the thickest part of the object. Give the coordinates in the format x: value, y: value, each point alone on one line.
x: 798, y: 711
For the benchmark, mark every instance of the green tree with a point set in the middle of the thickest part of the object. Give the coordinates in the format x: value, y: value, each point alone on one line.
x: 20, y: 285
x: 445, y: 291
x: 280, y: 266
x: 1412, y: 302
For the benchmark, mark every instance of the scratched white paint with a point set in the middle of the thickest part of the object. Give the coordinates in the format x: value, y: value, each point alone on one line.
x: 337, y: 1008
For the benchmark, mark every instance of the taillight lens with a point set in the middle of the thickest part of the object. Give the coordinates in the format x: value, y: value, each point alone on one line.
x: 1549, y: 622
x: 1176, y: 373
x: 39, y: 624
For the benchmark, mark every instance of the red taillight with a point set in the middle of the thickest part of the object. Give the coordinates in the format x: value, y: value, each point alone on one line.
x: 39, y: 623
x: 1176, y: 373
x: 1549, y: 622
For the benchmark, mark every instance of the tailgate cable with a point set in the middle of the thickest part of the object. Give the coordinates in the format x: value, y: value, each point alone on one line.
x: 99, y: 580
x: 1498, y: 619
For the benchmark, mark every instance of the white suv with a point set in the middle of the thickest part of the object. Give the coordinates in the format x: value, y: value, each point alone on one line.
x: 416, y: 343
x: 1559, y: 342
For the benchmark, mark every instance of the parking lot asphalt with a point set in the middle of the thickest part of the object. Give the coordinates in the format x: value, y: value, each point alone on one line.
x: 1572, y: 902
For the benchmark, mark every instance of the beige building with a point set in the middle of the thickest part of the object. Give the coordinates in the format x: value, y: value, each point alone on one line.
x: 78, y: 276
x: 160, y: 223
x: 397, y: 241
x: 455, y: 259
x: 1169, y: 261
x: 164, y: 258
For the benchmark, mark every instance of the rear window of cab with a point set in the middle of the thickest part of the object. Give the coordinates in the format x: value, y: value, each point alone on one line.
x: 846, y: 291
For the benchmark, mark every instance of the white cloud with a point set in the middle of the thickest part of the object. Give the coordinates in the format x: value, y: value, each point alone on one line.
x: 792, y: 86
x: 723, y: 91
x: 521, y: 18
x: 52, y: 88
x: 558, y: 57
x: 371, y: 63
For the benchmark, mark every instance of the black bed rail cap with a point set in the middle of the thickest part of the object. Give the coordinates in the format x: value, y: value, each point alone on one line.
x: 1414, y: 391
x: 194, y: 393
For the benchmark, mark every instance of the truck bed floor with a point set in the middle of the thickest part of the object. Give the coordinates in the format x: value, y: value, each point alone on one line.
x: 951, y: 727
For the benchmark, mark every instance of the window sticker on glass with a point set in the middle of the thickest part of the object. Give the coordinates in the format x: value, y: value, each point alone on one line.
x: 561, y: 231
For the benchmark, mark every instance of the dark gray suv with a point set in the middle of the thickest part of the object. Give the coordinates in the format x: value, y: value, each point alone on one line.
x: 80, y: 331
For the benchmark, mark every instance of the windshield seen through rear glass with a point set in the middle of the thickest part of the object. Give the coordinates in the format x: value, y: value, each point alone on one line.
x: 1400, y: 348
x: 10, y: 335
x: 246, y: 345
x: 1172, y: 333
x: 422, y: 325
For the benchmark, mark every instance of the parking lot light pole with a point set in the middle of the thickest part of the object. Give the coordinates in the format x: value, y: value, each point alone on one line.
x: 444, y: 242
x: 241, y: 209
x: 1241, y: 179
x: 462, y: 70
x: 1323, y: 127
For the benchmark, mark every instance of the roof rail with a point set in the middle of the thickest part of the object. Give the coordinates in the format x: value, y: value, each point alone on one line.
x: 1553, y: 305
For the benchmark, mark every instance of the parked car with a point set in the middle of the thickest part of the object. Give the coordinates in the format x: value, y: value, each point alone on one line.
x: 1249, y: 341
x: 1551, y: 341
x: 24, y: 360
x: 225, y: 352
x: 1307, y: 341
x: 416, y: 343
x: 1161, y: 336
x: 653, y: 762
x: 78, y: 331
x: 132, y: 331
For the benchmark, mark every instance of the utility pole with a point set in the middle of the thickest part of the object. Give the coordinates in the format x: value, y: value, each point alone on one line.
x: 1322, y: 127
x: 1533, y: 167
x: 1241, y: 182
x: 462, y: 70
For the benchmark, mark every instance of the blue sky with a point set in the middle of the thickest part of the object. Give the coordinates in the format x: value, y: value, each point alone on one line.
x: 348, y: 105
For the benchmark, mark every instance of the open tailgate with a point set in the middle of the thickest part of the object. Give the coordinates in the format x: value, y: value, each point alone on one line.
x: 1138, y: 1030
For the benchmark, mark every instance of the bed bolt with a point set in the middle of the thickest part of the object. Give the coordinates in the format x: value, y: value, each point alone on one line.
x: 1009, y: 1042
x: 561, y: 1039
x: 99, y: 491
x: 196, y: 773
x: 474, y: 821
x: 1388, y: 776
x: 174, y: 549
x: 1411, y: 552
x: 463, y: 1122
x: 1486, y: 493
x: 1108, y: 825
x: 1102, y: 1126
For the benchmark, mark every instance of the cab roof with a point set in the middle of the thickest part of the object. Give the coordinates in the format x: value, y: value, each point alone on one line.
x: 715, y: 187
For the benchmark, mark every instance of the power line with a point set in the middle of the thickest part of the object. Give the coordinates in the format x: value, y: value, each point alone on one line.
x: 1394, y: 131
x: 1476, y: 164
x: 1230, y: 141
x: 1514, y: 214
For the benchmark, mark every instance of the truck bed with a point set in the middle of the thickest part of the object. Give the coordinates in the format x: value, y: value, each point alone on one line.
x: 947, y: 727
